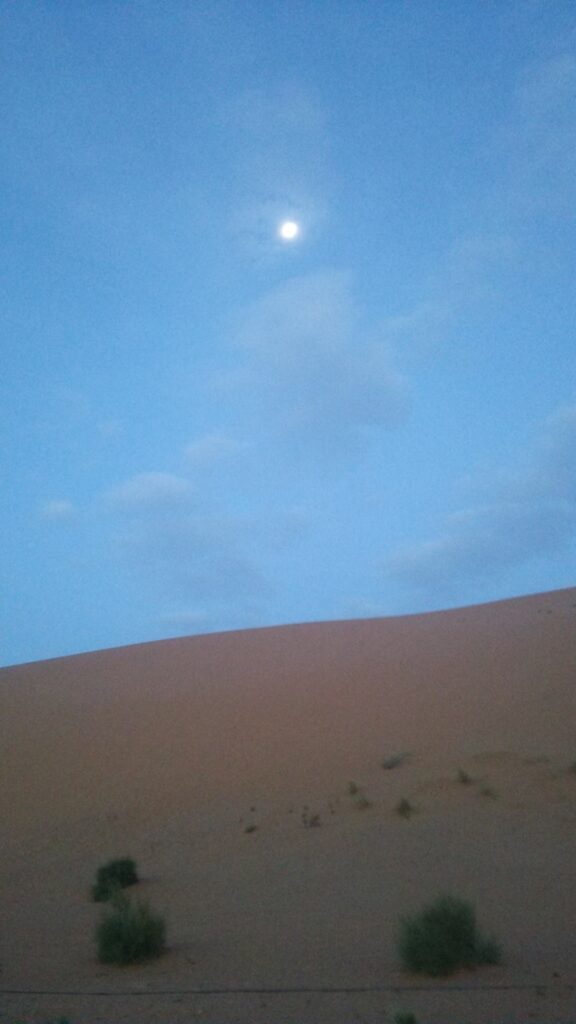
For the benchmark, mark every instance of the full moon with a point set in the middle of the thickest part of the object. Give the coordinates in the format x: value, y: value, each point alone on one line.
x: 289, y: 230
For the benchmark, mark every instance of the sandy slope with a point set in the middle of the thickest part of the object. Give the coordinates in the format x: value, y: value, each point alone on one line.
x: 169, y: 751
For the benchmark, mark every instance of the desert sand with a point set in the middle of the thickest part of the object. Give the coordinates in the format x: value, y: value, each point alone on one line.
x: 205, y: 758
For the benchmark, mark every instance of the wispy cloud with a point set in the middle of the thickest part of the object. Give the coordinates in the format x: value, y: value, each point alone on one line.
x: 532, y: 515
x: 551, y: 472
x: 150, y: 490
x: 58, y: 510
x: 311, y: 370
x: 282, y: 134
x: 192, y: 619
x: 467, y: 276
x: 212, y: 449
x: 540, y: 132
x: 186, y: 551
x: 110, y: 428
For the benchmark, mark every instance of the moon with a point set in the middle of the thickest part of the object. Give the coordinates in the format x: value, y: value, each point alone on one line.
x: 289, y: 230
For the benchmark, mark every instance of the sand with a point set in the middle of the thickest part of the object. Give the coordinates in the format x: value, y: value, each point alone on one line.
x: 206, y: 758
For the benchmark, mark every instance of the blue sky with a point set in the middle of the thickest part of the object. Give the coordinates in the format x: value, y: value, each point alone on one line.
x: 207, y: 427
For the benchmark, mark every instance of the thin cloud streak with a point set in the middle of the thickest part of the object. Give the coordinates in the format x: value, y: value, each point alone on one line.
x: 211, y: 450
x: 532, y: 516
x: 58, y: 510
x: 150, y: 490
x: 167, y: 535
x: 285, y: 170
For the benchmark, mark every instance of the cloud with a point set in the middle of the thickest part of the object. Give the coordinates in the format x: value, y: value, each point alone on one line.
x: 110, y: 428
x: 150, y: 490
x: 58, y: 510
x: 275, y: 115
x: 281, y: 134
x: 212, y: 449
x: 553, y: 470
x: 194, y: 560
x: 186, y: 551
x: 310, y: 370
x: 532, y: 516
x: 546, y: 92
x: 364, y: 608
x: 540, y: 135
x: 485, y: 541
x: 468, y: 275
x: 186, y: 618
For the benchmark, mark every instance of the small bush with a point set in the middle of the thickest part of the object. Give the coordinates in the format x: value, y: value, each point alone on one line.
x: 404, y: 808
x: 388, y: 763
x: 117, y: 874
x: 129, y: 933
x: 405, y: 1018
x: 463, y: 778
x: 489, y: 792
x: 359, y: 797
x: 444, y: 937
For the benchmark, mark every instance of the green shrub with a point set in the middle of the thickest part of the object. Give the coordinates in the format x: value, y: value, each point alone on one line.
x: 444, y: 937
x: 388, y: 763
x: 359, y: 797
x: 404, y: 1018
x: 404, y: 808
x: 117, y: 874
x: 129, y: 933
x: 489, y: 792
x: 463, y: 778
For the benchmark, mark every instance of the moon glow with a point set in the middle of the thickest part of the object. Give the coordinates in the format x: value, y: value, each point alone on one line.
x: 289, y: 230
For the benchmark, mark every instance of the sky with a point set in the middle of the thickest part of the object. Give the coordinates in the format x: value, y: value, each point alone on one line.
x: 207, y: 426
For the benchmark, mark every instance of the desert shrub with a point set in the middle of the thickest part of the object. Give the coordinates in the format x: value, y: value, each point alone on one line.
x: 463, y: 778
x: 444, y: 937
x: 359, y: 797
x: 388, y: 763
x: 117, y: 874
x: 489, y: 792
x: 404, y: 808
x: 404, y: 1018
x: 129, y: 933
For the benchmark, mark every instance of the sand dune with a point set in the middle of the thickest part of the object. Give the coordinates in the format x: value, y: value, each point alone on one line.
x: 204, y: 759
